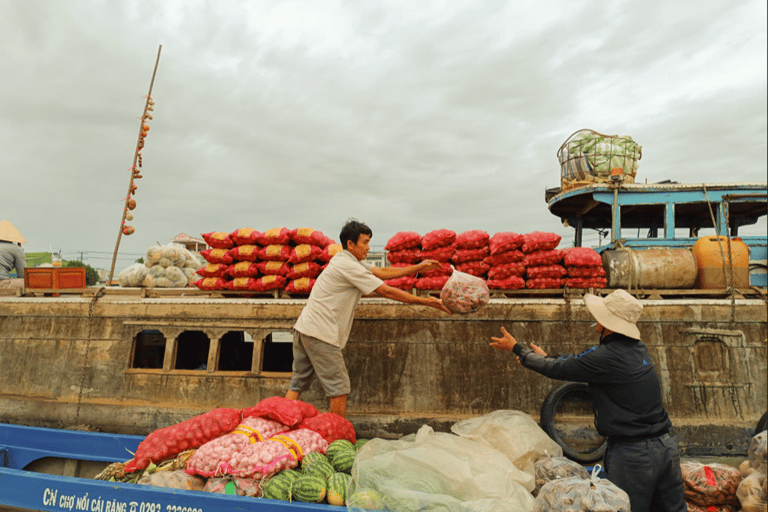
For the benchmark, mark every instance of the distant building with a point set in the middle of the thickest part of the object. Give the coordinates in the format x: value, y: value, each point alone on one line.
x: 191, y: 243
x: 378, y: 259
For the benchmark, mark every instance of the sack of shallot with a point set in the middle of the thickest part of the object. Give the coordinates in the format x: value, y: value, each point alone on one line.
x: 464, y: 293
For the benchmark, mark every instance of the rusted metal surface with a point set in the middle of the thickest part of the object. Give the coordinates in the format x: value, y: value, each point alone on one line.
x: 408, y: 365
x: 650, y: 268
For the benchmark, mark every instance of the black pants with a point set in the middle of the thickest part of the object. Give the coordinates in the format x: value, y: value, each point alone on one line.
x: 649, y: 472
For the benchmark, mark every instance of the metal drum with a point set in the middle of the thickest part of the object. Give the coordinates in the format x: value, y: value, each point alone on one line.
x: 650, y: 268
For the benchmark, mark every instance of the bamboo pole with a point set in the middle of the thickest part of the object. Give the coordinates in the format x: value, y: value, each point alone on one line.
x: 133, y: 167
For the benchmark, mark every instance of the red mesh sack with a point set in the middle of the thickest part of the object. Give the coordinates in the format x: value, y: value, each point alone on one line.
x: 329, y: 252
x: 710, y: 484
x: 508, y: 283
x: 211, y: 283
x: 306, y: 269
x: 504, y: 242
x: 273, y: 268
x: 403, y: 240
x: 404, y: 256
x: 288, y: 412
x: 267, y: 283
x: 464, y: 293
x: 544, y: 283
x: 586, y: 271
x: 582, y: 257
x: 437, y: 238
x: 218, y: 239
x: 300, y: 285
x: 331, y: 426
x: 402, y: 283
x: 585, y: 282
x: 540, y: 258
x: 472, y: 239
x: 538, y: 241
x: 168, y: 442
x: 275, y: 253
x: 274, y: 236
x: 431, y: 283
x: 244, y: 236
x: 217, y: 256
x: 463, y: 255
x: 241, y: 284
x: 304, y: 252
x: 475, y: 268
x: 245, y: 252
x: 551, y: 271
x: 506, y: 270
x: 310, y: 236
x: 504, y: 257
x: 444, y: 270
x: 731, y: 507
x: 441, y: 254
x: 243, y: 269
x: 213, y: 270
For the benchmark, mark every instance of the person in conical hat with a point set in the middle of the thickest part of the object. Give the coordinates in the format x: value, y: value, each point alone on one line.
x: 641, y: 458
x: 11, y: 255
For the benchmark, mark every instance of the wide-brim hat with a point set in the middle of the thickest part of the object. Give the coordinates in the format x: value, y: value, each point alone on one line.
x: 618, y: 311
x: 9, y: 233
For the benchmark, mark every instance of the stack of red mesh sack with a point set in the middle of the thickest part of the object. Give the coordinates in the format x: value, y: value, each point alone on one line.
x: 276, y: 259
x: 403, y: 249
x: 542, y: 260
x: 472, y: 247
x: 584, y: 268
x: 505, y: 261
x: 438, y: 245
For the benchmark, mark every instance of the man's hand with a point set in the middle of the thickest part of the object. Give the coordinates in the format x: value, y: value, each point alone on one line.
x: 537, y: 349
x: 427, y: 265
x: 436, y: 303
x: 506, y: 342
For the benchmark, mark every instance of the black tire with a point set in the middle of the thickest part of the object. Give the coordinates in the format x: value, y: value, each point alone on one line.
x: 761, y: 424
x: 549, y: 409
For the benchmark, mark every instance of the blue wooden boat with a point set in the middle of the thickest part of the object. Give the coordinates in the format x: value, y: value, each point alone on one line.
x: 23, y: 449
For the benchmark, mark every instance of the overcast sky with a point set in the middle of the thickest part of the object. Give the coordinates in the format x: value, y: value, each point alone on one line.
x: 406, y: 115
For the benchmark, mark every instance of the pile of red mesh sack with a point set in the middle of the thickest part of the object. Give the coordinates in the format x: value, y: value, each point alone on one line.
x: 584, y: 268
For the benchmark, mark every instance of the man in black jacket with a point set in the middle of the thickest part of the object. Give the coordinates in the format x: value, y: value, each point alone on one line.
x: 641, y: 458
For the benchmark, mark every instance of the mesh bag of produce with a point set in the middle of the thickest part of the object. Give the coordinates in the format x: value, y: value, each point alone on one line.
x: 213, y: 270
x: 585, y: 282
x: 304, y: 252
x: 274, y: 236
x: 273, y: 268
x: 539, y: 241
x: 133, y: 275
x: 464, y: 293
x: 475, y: 268
x: 402, y: 283
x: 242, y: 269
x: 577, y: 494
x: 211, y: 283
x: 504, y: 242
x: 288, y: 412
x: 244, y: 236
x: 275, y: 253
x: 310, y: 236
x: 437, y: 238
x: 444, y: 270
x: 506, y: 283
x: 551, y: 271
x: 752, y: 492
x: 441, y: 254
x: 540, y: 258
x: 551, y: 468
x: 586, y: 271
x: 306, y: 269
x: 282, y: 451
x: 476, y: 254
x: 757, y: 451
x: 506, y: 270
x: 472, y: 239
x: 241, y: 284
x: 217, y: 256
x: 404, y: 256
x: 431, y: 283
x: 268, y: 283
x: 300, y: 285
x: 693, y: 507
x: 218, y: 239
x: 582, y: 257
x: 245, y: 252
x: 710, y: 484
x: 403, y: 240
x: 168, y: 442
x: 329, y: 252
x: 504, y: 258
x: 544, y: 283
x: 331, y: 426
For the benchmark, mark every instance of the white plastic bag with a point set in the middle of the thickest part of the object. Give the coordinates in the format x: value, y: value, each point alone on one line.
x: 464, y: 293
x: 575, y: 494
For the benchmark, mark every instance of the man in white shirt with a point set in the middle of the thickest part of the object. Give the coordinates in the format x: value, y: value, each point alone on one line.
x: 322, y: 330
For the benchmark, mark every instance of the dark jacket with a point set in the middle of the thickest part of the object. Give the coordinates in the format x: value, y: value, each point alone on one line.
x: 625, y: 389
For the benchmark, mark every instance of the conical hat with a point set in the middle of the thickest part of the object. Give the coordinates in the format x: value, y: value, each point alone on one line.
x: 9, y: 233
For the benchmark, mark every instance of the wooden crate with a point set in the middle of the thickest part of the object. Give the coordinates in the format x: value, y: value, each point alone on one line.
x: 54, y: 277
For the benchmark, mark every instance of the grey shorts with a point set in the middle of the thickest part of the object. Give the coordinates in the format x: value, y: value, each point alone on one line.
x: 311, y: 357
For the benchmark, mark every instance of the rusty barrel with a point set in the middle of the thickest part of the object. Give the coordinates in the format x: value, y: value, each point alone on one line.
x: 650, y: 268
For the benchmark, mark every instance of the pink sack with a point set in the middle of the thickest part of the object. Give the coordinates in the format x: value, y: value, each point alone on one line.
x: 582, y: 257
x: 472, y: 239
x: 442, y: 254
x: 503, y: 242
x: 538, y: 241
x: 473, y: 268
x: 463, y: 255
x: 444, y: 270
x: 279, y: 452
x: 437, y: 238
x: 403, y: 240
x: 288, y: 412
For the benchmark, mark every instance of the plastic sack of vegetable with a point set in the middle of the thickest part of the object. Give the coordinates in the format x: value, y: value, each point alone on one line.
x: 552, y: 468
x: 464, y: 293
x: 576, y: 494
x: 435, y: 471
x: 513, y: 433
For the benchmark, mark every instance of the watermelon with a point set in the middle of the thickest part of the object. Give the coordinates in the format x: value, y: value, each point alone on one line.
x: 366, y: 498
x: 309, y: 489
x: 344, y: 460
x: 360, y: 443
x: 278, y: 487
x: 308, y: 458
x: 321, y: 468
x: 337, y: 446
x: 338, y: 483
